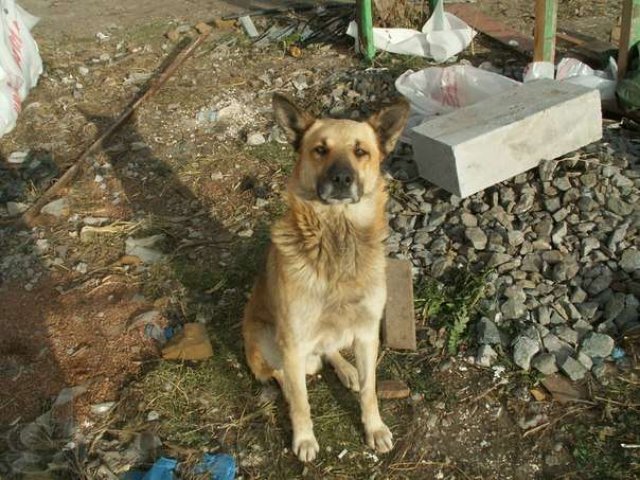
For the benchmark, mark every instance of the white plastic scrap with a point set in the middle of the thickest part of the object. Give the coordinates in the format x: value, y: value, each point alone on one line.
x: 443, y: 36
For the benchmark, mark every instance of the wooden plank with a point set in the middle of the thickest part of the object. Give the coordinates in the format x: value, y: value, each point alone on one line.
x: 398, y: 324
x: 545, y: 31
x: 590, y: 50
x: 492, y: 28
x: 629, y: 33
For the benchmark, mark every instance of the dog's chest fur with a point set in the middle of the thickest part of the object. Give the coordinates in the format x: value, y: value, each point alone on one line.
x: 334, y: 256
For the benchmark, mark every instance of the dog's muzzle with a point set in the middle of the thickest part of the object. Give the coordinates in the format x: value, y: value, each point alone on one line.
x: 339, y: 185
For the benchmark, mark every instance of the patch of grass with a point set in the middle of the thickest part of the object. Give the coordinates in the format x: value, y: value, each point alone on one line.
x: 598, y: 439
x: 398, y: 64
x: 274, y: 153
x: 453, y: 303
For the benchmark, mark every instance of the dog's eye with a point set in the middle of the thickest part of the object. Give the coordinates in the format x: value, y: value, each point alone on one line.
x: 321, y: 150
x: 360, y: 152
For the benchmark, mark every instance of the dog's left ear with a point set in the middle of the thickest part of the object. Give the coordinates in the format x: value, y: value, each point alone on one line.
x: 291, y: 118
x: 389, y: 123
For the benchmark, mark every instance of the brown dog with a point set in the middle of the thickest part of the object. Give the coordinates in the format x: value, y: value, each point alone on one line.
x: 324, y: 286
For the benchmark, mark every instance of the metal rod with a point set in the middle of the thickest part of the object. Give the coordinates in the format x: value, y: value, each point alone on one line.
x: 28, y: 217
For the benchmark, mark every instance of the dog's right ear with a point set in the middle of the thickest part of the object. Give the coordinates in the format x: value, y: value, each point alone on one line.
x: 293, y: 120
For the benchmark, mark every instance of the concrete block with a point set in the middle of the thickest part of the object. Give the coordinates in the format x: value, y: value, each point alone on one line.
x: 398, y: 324
x: 477, y: 146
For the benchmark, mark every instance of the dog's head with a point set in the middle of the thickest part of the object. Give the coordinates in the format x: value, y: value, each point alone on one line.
x: 339, y: 160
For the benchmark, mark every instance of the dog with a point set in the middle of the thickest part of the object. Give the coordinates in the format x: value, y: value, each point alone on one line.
x: 324, y: 285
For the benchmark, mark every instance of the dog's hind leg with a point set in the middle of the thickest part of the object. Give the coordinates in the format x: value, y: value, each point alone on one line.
x: 346, y: 372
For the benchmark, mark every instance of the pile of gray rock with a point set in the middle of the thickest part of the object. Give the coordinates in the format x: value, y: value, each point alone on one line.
x: 563, y: 246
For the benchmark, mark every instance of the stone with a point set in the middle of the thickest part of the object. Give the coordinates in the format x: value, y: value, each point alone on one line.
x: 544, y: 315
x: 392, y: 390
x: 566, y: 334
x: 513, y: 309
x: 554, y: 345
x: 469, y: 220
x: 552, y: 204
x: 573, y: 369
x: 546, y: 169
x: 143, y: 248
x: 630, y: 260
x: 589, y: 179
x: 480, y: 145
x: 56, y: 208
x: 477, y: 237
x: 597, y: 345
x: 525, y: 203
x: 488, y: 332
x: 545, y: 363
x: 486, y: 356
x: 618, y: 206
x: 16, y: 208
x: 524, y: 349
x: 17, y: 158
x: 585, y: 360
x: 588, y: 309
x: 515, y: 238
x: 614, y: 306
x: 562, y: 183
x: 600, y: 283
x: 255, y: 138
x: 558, y: 233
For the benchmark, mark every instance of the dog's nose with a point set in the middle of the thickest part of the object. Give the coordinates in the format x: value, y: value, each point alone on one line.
x: 341, y: 176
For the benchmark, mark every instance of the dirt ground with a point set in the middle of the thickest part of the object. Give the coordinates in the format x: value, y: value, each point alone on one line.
x: 212, y: 197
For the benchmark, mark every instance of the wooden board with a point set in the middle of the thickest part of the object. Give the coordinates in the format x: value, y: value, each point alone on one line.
x: 492, y: 28
x: 398, y: 324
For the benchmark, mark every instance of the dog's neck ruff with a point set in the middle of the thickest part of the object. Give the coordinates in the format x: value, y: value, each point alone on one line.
x: 335, y: 240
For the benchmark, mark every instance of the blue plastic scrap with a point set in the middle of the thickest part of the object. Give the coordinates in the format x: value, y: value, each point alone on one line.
x: 219, y: 465
x: 161, y: 470
x: 617, y: 353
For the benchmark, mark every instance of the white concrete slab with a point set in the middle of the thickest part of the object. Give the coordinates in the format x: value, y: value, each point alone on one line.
x: 475, y: 147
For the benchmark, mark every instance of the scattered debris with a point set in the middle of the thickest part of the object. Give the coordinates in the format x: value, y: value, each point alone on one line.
x: 248, y: 26
x: 392, y: 389
x: 192, y: 343
x: 143, y: 248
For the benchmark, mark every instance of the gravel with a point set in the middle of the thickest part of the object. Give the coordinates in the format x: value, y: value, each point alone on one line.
x: 559, y: 239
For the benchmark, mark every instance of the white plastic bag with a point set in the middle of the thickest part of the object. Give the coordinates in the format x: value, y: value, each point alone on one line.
x: 536, y: 70
x: 443, y: 36
x: 436, y: 90
x: 20, y: 62
x: 574, y: 71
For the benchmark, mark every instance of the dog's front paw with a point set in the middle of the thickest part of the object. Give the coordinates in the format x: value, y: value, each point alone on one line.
x: 348, y: 375
x: 306, y: 447
x: 380, y: 438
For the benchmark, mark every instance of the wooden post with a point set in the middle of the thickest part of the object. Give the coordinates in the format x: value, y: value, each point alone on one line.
x: 629, y: 33
x: 545, y: 31
x: 364, y: 18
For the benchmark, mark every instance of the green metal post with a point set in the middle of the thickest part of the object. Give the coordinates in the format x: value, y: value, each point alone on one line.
x: 364, y: 17
x: 432, y: 6
x: 545, y: 31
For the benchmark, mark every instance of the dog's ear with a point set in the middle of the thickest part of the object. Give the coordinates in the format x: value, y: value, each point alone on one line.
x: 291, y: 118
x: 389, y: 123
